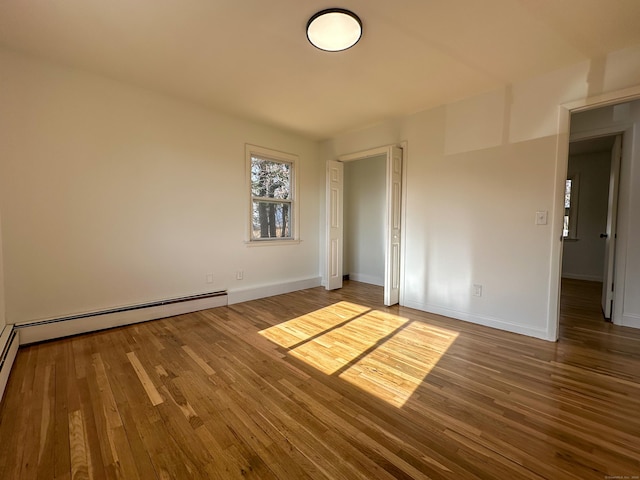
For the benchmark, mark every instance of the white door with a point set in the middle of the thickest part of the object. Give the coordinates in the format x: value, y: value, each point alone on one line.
x: 392, y: 253
x: 610, y: 234
x: 335, y: 189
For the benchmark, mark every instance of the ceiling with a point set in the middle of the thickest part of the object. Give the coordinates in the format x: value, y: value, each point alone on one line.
x: 251, y: 58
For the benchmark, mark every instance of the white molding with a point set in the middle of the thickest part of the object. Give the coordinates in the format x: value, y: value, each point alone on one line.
x: 372, y: 152
x: 580, y: 276
x: 403, y: 220
x: 608, y: 131
x: 540, y: 333
x: 272, y: 242
x: 370, y: 279
x: 240, y: 295
x: 556, y: 223
x: 31, y: 332
x: 9, y: 352
x: 630, y: 320
x: 604, y: 99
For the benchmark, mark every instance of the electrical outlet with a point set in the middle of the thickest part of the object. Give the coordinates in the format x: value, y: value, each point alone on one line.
x: 209, y: 277
x: 477, y: 290
x: 239, y: 275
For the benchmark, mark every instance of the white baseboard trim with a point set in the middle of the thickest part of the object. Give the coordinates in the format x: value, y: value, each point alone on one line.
x: 579, y: 276
x: 482, y: 320
x: 262, y: 291
x: 370, y: 279
x: 630, y: 320
x: 9, y: 342
x: 38, y: 331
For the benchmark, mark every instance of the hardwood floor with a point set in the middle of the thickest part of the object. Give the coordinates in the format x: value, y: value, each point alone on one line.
x: 318, y: 384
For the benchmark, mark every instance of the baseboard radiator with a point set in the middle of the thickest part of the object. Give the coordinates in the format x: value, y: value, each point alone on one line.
x: 41, y: 330
x: 9, y: 341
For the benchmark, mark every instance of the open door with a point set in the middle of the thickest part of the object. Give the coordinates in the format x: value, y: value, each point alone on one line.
x: 335, y: 188
x: 392, y: 253
x: 610, y: 234
x: 393, y: 195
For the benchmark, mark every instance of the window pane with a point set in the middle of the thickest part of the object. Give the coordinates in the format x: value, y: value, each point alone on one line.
x: 271, y: 220
x: 567, y: 194
x: 565, y: 229
x: 270, y: 179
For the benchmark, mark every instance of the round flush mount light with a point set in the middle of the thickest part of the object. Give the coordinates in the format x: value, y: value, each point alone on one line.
x: 334, y: 30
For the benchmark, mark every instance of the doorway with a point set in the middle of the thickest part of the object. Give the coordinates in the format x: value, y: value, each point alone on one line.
x: 590, y: 219
x: 616, y: 113
x: 392, y: 225
x: 364, y: 208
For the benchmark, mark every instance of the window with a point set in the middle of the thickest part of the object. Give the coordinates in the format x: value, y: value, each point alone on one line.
x: 272, y: 190
x: 569, y: 229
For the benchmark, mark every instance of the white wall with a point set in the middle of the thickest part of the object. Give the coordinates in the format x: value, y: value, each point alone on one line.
x: 622, y: 118
x: 113, y: 195
x: 477, y: 172
x: 2, y: 303
x: 364, y: 212
x: 583, y: 258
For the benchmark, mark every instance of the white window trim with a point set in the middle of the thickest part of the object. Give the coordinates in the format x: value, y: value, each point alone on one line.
x: 573, y: 209
x: 295, y: 217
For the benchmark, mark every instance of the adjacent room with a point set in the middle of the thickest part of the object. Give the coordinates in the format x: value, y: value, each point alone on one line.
x: 232, y: 246
x: 364, y: 210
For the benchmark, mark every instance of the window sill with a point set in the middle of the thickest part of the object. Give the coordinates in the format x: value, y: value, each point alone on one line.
x: 271, y: 243
x: 570, y: 239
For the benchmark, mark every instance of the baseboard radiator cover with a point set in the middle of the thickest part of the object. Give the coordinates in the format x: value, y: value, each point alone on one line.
x: 9, y: 342
x: 42, y: 330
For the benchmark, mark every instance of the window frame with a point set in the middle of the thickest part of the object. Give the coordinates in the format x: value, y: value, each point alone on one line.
x: 281, y: 157
x: 572, y: 233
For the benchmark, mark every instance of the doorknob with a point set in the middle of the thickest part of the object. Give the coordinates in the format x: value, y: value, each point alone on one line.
x: 604, y: 235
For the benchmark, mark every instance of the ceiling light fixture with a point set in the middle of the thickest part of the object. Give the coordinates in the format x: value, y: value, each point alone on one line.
x: 334, y: 29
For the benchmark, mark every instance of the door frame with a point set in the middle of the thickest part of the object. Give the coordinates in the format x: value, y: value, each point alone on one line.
x: 362, y: 155
x: 562, y: 163
x: 611, y: 232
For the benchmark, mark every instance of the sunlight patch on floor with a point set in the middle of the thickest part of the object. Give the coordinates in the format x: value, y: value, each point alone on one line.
x: 384, y: 354
x: 342, y: 346
x: 395, y: 369
x: 301, y: 329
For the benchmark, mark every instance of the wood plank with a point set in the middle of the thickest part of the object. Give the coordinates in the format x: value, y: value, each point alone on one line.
x: 317, y: 384
x: 199, y: 360
x: 145, y: 380
x: 80, y: 457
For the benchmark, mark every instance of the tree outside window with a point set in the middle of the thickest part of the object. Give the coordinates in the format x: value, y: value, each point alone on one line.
x: 272, y: 195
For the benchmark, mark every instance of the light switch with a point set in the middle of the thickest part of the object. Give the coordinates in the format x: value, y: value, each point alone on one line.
x: 541, y: 218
